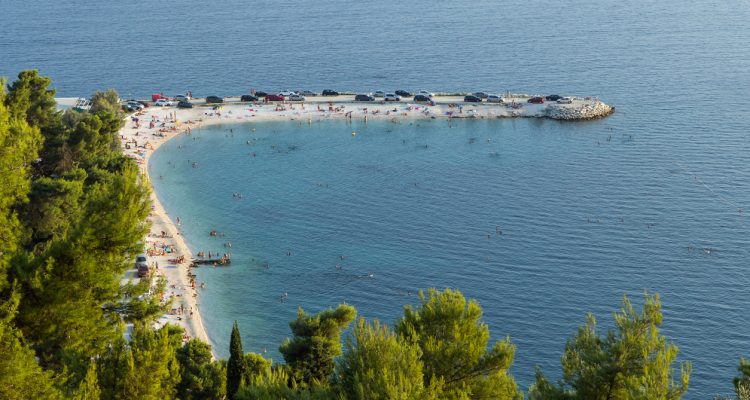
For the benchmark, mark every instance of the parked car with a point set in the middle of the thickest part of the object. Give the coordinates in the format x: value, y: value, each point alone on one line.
x: 143, y: 103
x: 481, y: 95
x: 287, y: 93
x: 248, y: 97
x: 426, y: 93
x: 141, y: 265
x: 553, y: 97
x: 391, y: 97
x: 420, y: 98
x: 296, y: 97
x: 493, y: 98
x: 163, y: 103
x: 403, y: 93
x: 536, y: 100
x: 307, y: 93
x: 181, y: 97
x: 134, y: 106
x: 329, y: 92
x: 214, y: 99
x: 274, y: 97
x: 379, y: 93
x: 261, y: 93
x: 565, y: 100
x: 472, y: 99
x: 363, y: 97
x: 184, y: 104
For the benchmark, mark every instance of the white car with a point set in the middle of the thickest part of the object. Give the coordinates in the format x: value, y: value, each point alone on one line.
x: 379, y: 93
x: 287, y: 93
x: 494, y: 99
x: 565, y: 100
x: 181, y: 97
x: 163, y: 102
x: 426, y: 93
x: 391, y: 97
x: 296, y: 97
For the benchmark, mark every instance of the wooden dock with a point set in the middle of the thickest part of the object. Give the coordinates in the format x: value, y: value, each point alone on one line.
x: 219, y: 262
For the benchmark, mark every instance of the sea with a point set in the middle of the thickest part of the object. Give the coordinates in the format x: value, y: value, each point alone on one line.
x: 540, y: 221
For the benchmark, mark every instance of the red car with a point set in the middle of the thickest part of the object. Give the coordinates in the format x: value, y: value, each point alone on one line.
x: 536, y: 100
x: 274, y: 97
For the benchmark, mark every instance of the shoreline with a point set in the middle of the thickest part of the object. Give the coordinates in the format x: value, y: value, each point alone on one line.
x: 140, y: 140
x: 179, y: 287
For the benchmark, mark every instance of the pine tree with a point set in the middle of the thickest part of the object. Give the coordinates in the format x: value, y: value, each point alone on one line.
x: 89, y: 389
x: 200, y: 378
x: 316, y: 342
x: 236, y: 367
x: 20, y: 144
x: 153, y: 370
x: 113, y: 367
x: 742, y: 382
x: 256, y: 366
x: 378, y: 364
x: 631, y: 362
x: 21, y: 377
x: 453, y: 339
x: 107, y: 101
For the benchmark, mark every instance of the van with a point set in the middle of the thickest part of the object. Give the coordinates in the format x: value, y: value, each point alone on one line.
x: 141, y: 264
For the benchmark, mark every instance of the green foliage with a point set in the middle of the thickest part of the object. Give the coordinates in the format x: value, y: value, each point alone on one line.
x: 89, y: 388
x: 316, y: 342
x: 53, y: 204
x: 139, y: 307
x: 19, y: 144
x: 742, y: 382
x: 236, y: 367
x: 21, y: 377
x: 31, y: 99
x: 256, y: 365
x: 72, y: 214
x: 93, y: 144
x: 632, y: 362
x: 378, y: 364
x: 275, y: 386
x: 453, y: 340
x: 107, y: 101
x: 200, y: 377
x: 153, y: 370
x: 89, y: 261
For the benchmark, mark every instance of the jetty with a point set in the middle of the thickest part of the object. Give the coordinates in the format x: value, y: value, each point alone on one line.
x: 223, y: 261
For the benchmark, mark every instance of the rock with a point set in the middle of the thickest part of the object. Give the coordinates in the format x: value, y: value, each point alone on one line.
x: 589, y: 109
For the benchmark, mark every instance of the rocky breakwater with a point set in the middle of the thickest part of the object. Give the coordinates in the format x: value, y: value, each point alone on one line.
x: 579, y: 110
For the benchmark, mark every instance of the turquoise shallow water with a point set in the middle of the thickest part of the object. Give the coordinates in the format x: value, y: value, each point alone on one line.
x: 588, y: 212
x: 678, y: 73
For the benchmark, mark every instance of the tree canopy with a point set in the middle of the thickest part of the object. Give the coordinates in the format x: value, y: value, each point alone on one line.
x: 315, y: 343
x: 634, y: 361
x: 453, y: 339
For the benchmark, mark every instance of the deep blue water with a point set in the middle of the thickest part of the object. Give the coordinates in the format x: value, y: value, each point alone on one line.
x: 678, y: 73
